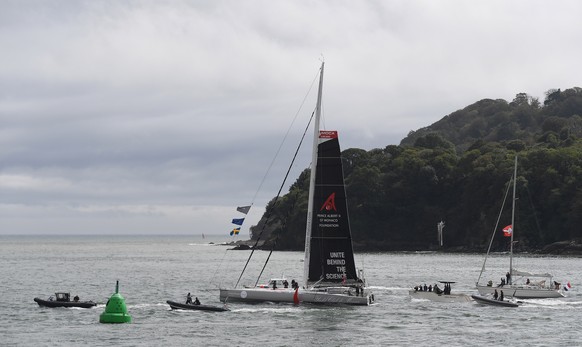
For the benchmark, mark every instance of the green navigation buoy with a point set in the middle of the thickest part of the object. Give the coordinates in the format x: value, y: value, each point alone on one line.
x: 115, y: 309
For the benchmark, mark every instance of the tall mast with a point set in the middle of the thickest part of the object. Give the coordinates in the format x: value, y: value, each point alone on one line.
x: 512, y: 223
x: 312, y: 179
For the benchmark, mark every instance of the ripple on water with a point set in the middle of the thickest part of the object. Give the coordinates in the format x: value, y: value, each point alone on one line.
x: 152, y: 270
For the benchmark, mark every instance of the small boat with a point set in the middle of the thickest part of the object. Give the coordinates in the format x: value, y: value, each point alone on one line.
x: 64, y: 300
x: 490, y: 301
x: 439, y: 295
x: 180, y: 306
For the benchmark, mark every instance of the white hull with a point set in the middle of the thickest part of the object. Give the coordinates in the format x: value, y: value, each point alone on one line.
x: 287, y: 295
x: 521, y: 292
x: 439, y: 297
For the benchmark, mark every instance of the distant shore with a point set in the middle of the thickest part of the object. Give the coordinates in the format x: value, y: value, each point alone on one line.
x: 568, y: 248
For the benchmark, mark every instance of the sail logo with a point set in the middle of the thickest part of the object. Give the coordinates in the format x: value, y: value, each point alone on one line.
x: 329, y: 204
x: 328, y: 134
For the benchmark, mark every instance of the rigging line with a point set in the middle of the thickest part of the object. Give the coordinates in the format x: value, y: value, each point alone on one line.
x: 277, y: 238
x: 284, y: 139
x: 219, y: 265
x: 281, y: 146
x: 495, y: 228
x: 266, y: 261
x: 272, y: 208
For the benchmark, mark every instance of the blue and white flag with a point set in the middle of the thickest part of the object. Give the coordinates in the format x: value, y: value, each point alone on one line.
x: 238, y: 221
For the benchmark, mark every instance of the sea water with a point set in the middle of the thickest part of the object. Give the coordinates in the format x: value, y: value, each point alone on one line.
x: 153, y: 269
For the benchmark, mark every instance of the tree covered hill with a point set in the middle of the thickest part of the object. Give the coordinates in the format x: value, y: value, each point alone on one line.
x: 523, y: 119
x: 457, y: 170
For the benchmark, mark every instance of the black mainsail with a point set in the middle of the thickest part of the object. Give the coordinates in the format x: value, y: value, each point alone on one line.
x: 331, y: 256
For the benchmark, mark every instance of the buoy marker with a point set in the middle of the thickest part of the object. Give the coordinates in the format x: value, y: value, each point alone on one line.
x: 115, y: 309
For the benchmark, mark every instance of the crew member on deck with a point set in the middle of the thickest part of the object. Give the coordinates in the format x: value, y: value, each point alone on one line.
x: 188, y: 299
x: 495, y: 295
x: 501, y: 295
x: 196, y: 301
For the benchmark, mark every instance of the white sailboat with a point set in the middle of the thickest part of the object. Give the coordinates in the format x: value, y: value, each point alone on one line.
x: 519, y: 284
x: 330, y: 275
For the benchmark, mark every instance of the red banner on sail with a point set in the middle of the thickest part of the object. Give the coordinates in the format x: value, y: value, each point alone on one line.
x: 328, y: 134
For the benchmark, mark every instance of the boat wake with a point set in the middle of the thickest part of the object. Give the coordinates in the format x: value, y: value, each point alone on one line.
x: 142, y: 306
x: 381, y: 288
x: 551, y: 303
x: 278, y: 309
x: 84, y: 309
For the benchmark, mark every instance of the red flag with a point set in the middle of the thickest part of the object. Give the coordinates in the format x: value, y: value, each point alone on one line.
x: 296, y: 296
x: 508, y: 230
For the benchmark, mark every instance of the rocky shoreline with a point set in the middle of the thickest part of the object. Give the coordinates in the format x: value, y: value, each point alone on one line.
x: 567, y: 248
x: 573, y: 247
x: 242, y: 245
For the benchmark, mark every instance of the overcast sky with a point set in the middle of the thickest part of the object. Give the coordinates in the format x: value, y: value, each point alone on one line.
x: 126, y: 117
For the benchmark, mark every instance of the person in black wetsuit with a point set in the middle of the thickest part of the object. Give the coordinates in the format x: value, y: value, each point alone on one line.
x: 188, y: 299
x: 196, y: 301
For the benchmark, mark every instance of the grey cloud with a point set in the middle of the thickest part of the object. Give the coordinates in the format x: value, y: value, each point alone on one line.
x: 142, y: 116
